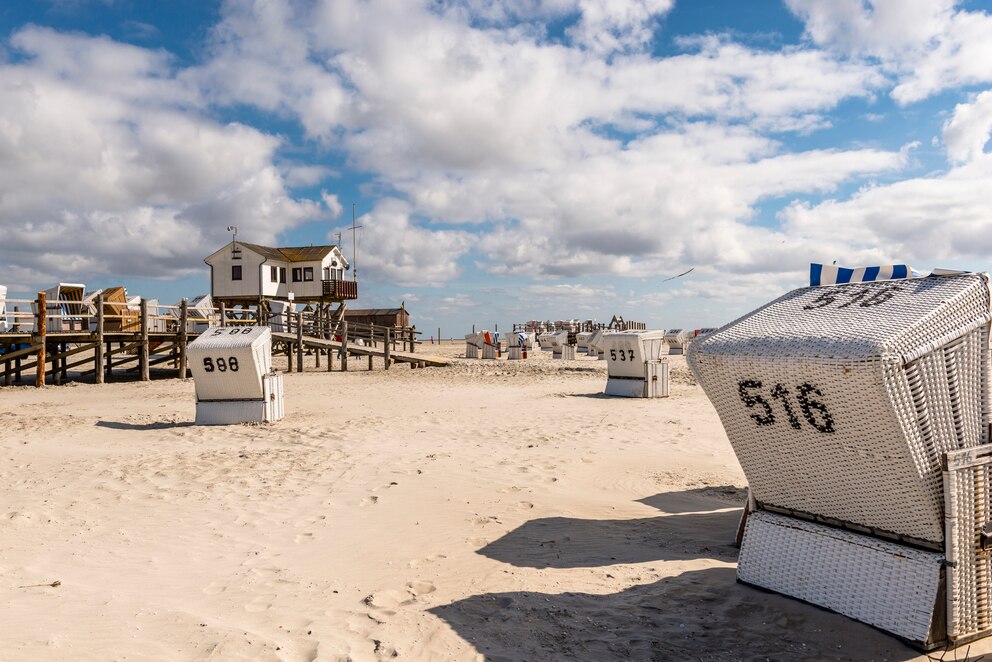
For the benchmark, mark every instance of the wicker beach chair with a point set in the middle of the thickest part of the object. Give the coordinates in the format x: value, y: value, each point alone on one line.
x: 860, y: 415
x: 635, y: 367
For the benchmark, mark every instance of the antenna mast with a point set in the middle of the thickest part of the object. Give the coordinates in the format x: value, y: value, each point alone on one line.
x: 354, y: 244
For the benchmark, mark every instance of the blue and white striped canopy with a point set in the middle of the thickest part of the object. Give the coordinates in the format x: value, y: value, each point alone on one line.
x: 821, y: 274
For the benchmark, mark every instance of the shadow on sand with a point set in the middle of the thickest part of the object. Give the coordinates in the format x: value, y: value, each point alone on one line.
x: 700, y: 523
x: 701, y: 614
x: 165, y: 425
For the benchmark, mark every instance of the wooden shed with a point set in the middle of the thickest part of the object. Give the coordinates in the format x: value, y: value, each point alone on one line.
x: 379, y: 316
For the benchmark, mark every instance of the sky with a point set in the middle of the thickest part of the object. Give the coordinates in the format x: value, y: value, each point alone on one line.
x: 506, y: 161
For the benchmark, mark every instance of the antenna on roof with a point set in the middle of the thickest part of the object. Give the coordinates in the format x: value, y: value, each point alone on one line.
x: 235, y: 251
x: 354, y: 244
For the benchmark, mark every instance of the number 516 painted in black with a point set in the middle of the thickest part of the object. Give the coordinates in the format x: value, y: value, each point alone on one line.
x: 814, y: 411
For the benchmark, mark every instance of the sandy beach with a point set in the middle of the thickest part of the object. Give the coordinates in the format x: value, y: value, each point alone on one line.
x: 488, y: 510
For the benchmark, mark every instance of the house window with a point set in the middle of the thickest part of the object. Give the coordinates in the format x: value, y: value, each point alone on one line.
x: 307, y: 273
x: 327, y: 273
x: 297, y: 274
x: 282, y: 274
x: 236, y: 272
x: 274, y: 274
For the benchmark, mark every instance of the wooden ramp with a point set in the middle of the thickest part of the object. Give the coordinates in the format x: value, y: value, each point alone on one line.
x: 415, y: 360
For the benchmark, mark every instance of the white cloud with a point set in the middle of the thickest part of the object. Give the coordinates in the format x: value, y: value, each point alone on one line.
x: 928, y: 45
x: 968, y: 131
x: 923, y: 221
x: 332, y: 203
x: 393, y: 248
x: 608, y: 26
x: 107, y: 166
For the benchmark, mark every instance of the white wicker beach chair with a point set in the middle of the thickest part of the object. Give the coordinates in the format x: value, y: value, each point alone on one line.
x: 844, y: 404
x: 634, y: 364
x: 677, y: 340
x: 595, y: 344
x: 233, y: 376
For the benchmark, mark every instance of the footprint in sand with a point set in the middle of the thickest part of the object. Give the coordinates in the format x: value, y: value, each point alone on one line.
x: 213, y: 588
x: 261, y: 603
x: 415, y: 563
x: 386, y: 602
x: 419, y: 587
x: 303, y: 537
x: 369, y: 500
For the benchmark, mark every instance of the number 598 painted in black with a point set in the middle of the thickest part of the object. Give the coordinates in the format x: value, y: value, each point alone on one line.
x: 220, y: 364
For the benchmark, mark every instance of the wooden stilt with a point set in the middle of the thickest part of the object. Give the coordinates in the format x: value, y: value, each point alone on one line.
x: 143, y: 349
x: 344, y: 346
x: 41, y: 331
x: 299, y: 341
x: 98, y: 347
x: 183, y: 337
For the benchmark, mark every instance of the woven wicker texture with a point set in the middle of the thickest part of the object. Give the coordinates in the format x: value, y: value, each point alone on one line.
x: 228, y: 363
x: 628, y: 351
x: 890, y: 586
x: 840, y: 401
x: 967, y: 482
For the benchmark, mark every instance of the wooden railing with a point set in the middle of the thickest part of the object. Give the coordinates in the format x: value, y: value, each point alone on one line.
x: 340, y: 289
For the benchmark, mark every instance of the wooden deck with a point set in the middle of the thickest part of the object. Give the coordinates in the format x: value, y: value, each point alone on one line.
x: 415, y: 360
x: 50, y: 354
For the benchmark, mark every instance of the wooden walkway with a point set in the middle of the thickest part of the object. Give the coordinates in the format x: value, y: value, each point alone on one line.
x: 385, y: 353
x: 154, y: 339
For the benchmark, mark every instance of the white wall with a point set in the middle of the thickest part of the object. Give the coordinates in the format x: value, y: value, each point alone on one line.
x: 223, y: 286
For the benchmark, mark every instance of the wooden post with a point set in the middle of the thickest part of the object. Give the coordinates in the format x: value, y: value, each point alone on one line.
x: 183, y: 337
x: 299, y: 341
x: 41, y: 331
x: 385, y: 346
x: 17, y: 320
x: 344, y: 346
x: 413, y: 338
x: 110, y: 360
x: 98, y: 348
x: 223, y: 314
x: 318, y: 332
x: 371, y: 342
x: 143, y: 349
x: 56, y: 362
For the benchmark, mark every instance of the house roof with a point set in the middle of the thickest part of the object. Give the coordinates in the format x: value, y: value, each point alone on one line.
x: 291, y: 254
x: 373, y: 312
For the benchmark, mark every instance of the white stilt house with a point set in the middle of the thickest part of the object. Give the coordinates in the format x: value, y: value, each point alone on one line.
x: 243, y: 274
